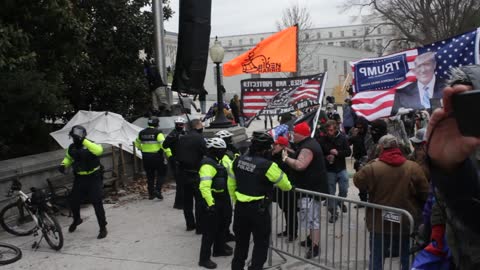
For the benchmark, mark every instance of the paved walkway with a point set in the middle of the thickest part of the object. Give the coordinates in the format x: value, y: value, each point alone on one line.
x: 142, y: 234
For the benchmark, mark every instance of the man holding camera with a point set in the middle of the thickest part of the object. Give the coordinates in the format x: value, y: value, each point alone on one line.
x: 454, y: 172
x: 83, y: 155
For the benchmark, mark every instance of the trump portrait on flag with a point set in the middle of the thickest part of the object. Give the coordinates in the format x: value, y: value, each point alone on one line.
x: 417, y: 95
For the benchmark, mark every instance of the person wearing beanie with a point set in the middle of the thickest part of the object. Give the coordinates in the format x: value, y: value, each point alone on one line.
x: 309, y: 165
x: 391, y: 180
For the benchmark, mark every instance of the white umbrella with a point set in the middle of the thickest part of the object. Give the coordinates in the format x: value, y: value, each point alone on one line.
x: 102, y: 127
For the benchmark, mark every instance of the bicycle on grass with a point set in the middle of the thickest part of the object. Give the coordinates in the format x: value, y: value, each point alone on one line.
x: 31, y: 215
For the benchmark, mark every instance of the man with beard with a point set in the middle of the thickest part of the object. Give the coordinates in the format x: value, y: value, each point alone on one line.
x: 335, y: 149
x: 310, y: 174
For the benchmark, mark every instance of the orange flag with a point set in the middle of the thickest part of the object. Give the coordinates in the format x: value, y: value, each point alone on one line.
x: 277, y: 53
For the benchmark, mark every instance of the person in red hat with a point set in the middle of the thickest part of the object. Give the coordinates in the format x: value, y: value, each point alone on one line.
x: 284, y: 199
x: 309, y: 164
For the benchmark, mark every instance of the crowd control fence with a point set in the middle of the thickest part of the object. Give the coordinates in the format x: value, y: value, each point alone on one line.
x: 350, y: 234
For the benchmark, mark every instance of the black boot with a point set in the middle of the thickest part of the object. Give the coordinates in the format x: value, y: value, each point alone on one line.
x: 103, y: 233
x: 312, y: 252
x: 208, y: 264
x: 74, y: 225
x: 159, y: 196
x: 333, y: 218
x: 307, y: 242
x: 222, y: 253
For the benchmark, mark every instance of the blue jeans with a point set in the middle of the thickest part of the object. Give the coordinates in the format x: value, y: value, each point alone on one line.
x: 203, y: 106
x: 342, y: 179
x: 376, y: 260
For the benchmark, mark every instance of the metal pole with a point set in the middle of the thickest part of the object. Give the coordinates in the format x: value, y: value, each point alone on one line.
x: 160, y: 45
x: 219, y: 92
x: 220, y: 120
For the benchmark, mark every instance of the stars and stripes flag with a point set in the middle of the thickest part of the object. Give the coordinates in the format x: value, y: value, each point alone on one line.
x: 376, y: 80
x: 276, y: 96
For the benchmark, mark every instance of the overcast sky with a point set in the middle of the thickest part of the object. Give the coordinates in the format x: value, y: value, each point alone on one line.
x: 234, y: 17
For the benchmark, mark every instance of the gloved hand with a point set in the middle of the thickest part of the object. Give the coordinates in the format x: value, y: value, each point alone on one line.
x: 211, y: 210
x: 198, y: 110
x: 61, y: 169
x: 436, y: 246
x: 284, y: 155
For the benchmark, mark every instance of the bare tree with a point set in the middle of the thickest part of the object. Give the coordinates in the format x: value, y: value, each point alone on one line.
x: 423, y: 21
x: 300, y: 16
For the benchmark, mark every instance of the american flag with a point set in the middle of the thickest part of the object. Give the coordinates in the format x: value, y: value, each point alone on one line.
x: 453, y: 52
x: 276, y: 100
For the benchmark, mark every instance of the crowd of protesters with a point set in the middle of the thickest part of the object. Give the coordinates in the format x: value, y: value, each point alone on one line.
x: 392, y: 167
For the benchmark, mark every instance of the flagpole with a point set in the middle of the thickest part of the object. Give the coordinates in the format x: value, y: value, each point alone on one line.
x: 160, y: 45
x: 320, y: 103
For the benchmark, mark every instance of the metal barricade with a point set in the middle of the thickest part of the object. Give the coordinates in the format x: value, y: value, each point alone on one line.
x: 363, y: 236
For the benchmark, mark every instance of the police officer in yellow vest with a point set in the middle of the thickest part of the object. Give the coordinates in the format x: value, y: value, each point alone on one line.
x: 232, y: 151
x: 213, y: 187
x: 250, y: 184
x: 150, y: 143
x: 230, y: 155
x: 83, y: 155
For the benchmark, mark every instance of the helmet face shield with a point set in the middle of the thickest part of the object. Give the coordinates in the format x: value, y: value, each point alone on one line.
x: 78, y: 131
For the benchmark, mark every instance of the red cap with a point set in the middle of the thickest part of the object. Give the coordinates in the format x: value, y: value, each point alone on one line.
x: 281, y: 141
x: 302, y: 129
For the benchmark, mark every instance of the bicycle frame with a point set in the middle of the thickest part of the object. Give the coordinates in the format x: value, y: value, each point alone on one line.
x: 25, y: 200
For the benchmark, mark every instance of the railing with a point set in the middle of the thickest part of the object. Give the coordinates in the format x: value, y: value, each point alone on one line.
x: 344, y: 242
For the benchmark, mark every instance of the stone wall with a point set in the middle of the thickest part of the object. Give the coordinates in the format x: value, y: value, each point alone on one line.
x: 32, y: 171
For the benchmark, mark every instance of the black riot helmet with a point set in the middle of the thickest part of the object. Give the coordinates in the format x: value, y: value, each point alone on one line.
x: 261, y: 141
x: 78, y: 131
x: 153, y: 121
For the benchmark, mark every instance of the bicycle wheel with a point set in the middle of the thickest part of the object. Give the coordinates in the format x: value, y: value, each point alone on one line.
x: 9, y: 254
x: 17, y: 220
x: 51, y: 230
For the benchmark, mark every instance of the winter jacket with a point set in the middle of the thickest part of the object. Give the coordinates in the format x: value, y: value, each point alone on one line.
x: 400, y: 183
x: 460, y: 201
x: 340, y: 143
x: 348, y: 116
x: 359, y: 149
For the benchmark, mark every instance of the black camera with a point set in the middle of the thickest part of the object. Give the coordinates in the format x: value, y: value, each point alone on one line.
x: 466, y: 110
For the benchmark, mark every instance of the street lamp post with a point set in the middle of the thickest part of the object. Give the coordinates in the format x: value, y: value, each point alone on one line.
x: 216, y: 54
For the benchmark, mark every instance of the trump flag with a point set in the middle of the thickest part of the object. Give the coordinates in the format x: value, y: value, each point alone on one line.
x: 277, y: 53
x: 412, y: 79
